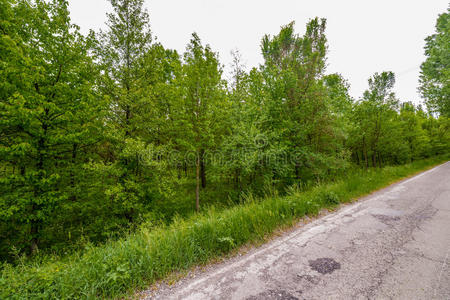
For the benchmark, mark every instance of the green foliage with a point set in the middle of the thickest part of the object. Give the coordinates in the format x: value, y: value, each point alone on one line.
x: 435, y: 75
x: 50, y: 120
x: 202, y: 106
x: 385, y: 132
x: 121, y: 160
x: 328, y: 198
x: 122, y: 266
x: 122, y: 52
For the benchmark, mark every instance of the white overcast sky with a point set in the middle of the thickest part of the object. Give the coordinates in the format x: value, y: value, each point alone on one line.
x: 364, y: 36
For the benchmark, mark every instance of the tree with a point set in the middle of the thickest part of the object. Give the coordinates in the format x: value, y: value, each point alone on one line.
x: 126, y: 82
x: 300, y: 103
x: 412, y: 132
x: 244, y: 146
x: 373, y: 118
x: 122, y: 51
x: 49, y: 118
x: 435, y: 71
x: 202, y: 94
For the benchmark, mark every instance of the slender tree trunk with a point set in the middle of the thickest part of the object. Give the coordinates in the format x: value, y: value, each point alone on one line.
x: 127, y: 119
x: 73, y: 197
x: 297, y: 171
x: 197, y: 188
x: 236, y: 180
x: 179, y: 168
x: 137, y: 164
x: 380, y: 164
x: 365, y: 153
x: 202, y: 168
x: 34, y: 232
x: 35, y: 224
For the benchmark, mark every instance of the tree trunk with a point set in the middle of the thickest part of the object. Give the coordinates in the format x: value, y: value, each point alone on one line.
x: 197, y: 188
x: 365, y: 153
x: 380, y: 163
x: 297, y: 172
x: 73, y: 197
x: 35, y: 224
x: 34, y: 232
x: 127, y: 120
x: 236, y: 180
x: 202, y: 168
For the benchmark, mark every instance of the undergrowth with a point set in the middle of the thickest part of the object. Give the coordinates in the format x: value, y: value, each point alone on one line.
x: 120, y: 267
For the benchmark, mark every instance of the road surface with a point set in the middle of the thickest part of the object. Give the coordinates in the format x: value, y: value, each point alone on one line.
x: 393, y: 244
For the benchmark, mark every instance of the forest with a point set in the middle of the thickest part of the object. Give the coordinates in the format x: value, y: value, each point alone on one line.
x: 101, y: 134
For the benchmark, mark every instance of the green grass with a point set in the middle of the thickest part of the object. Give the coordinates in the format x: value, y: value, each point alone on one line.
x: 118, y: 268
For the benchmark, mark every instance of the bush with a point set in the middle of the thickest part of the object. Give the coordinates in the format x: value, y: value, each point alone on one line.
x: 327, y: 198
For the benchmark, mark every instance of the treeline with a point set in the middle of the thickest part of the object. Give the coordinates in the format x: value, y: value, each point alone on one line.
x: 100, y: 133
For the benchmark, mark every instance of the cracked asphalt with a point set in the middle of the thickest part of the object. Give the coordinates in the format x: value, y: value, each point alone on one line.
x: 393, y: 244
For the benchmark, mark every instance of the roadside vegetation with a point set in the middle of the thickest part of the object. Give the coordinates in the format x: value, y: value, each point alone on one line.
x: 121, y: 160
x: 120, y: 267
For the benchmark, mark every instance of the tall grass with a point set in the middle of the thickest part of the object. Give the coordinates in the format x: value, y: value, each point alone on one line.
x: 120, y: 267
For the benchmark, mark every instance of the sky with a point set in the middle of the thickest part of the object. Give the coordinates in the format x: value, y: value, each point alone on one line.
x: 364, y: 36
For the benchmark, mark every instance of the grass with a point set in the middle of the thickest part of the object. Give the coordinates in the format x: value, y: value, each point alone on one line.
x: 121, y: 267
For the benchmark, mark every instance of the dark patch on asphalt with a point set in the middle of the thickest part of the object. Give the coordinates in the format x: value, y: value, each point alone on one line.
x: 309, y: 278
x: 324, y: 265
x: 273, y: 295
x: 386, y: 219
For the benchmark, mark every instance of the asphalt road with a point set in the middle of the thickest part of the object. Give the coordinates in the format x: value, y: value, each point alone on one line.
x: 393, y: 244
